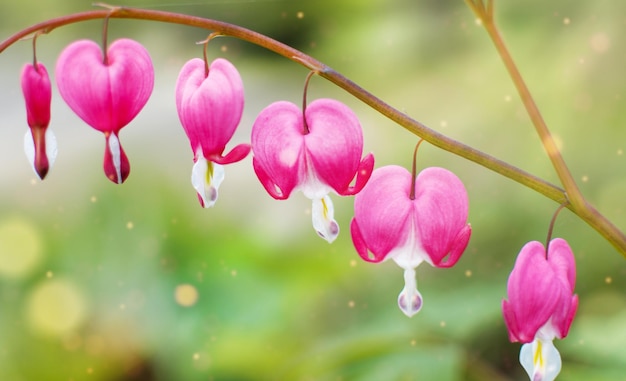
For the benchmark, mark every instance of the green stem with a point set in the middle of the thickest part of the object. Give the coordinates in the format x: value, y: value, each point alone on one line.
x: 588, y: 214
x: 578, y: 203
x: 573, y: 193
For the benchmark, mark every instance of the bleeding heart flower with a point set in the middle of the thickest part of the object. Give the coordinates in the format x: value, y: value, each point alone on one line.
x: 210, y: 105
x: 541, y: 305
x: 106, y: 91
x: 431, y: 226
x: 320, y: 156
x: 39, y: 142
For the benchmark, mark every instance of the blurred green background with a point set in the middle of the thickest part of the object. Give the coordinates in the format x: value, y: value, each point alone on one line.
x: 137, y: 282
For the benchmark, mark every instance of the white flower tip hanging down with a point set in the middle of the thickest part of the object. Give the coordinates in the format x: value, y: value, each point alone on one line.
x: 410, y: 300
x: 206, y: 177
x: 116, y: 155
x: 322, y: 214
x: 541, y: 360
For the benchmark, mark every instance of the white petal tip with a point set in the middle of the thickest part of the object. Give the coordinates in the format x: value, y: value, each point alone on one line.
x: 206, y: 178
x: 208, y: 198
x: 330, y: 233
x: 410, y: 302
x: 322, y: 213
x: 541, y: 360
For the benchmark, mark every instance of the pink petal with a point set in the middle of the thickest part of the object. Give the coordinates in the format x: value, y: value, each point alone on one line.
x: 561, y: 260
x: 335, y: 143
x: 278, y: 146
x: 236, y: 154
x: 107, y: 97
x: 361, y: 246
x: 459, y: 244
x: 441, y: 208
x: 363, y: 174
x: 512, y: 324
x: 381, y: 213
x: 37, y: 92
x: 210, y: 107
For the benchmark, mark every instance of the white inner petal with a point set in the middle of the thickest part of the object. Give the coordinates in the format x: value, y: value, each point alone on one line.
x: 322, y: 214
x: 410, y: 300
x: 206, y: 177
x: 29, y: 149
x: 51, y: 148
x: 410, y: 254
x: 116, y: 155
x: 541, y: 360
x: 311, y: 186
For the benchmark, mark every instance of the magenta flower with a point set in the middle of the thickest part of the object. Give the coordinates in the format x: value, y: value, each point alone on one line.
x: 210, y: 105
x: 39, y: 142
x: 106, y: 91
x: 431, y: 226
x: 316, y: 157
x: 541, y: 305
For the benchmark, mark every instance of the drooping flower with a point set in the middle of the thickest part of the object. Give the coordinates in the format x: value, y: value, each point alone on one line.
x: 318, y: 156
x: 541, y: 305
x: 39, y: 142
x: 210, y: 105
x: 431, y: 226
x: 106, y: 91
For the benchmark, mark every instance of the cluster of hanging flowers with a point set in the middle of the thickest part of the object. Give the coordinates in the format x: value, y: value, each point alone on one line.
x: 317, y: 149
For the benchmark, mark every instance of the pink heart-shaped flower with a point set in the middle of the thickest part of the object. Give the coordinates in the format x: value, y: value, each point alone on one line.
x: 327, y: 156
x: 107, y: 96
x: 386, y: 218
x: 107, y: 92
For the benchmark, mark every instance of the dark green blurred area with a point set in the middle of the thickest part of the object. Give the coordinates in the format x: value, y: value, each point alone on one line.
x: 137, y: 282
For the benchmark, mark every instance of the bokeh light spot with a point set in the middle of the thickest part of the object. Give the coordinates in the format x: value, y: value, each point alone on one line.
x: 56, y: 307
x: 20, y: 248
x: 600, y: 42
x: 186, y: 295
